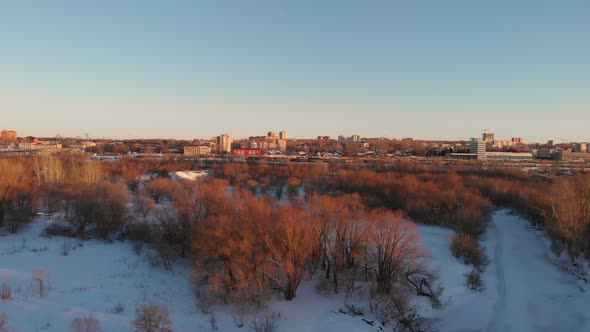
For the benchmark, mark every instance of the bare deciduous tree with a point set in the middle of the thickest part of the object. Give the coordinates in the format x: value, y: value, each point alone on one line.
x: 85, y: 324
x: 152, y: 317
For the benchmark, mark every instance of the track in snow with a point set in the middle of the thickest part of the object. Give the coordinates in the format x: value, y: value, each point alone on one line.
x: 533, y: 294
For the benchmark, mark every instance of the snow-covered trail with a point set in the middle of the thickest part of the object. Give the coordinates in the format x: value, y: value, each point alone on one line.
x: 533, y: 294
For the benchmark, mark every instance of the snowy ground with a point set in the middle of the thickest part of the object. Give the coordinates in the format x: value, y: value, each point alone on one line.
x: 525, y: 290
x: 95, y: 276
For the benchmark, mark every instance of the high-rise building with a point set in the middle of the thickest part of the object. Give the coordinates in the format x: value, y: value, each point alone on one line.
x: 224, y: 143
x: 478, y: 146
x: 488, y: 137
x: 270, y: 142
x: 8, y: 136
x: 580, y: 147
x: 341, y: 138
x: 517, y: 140
x: 355, y: 138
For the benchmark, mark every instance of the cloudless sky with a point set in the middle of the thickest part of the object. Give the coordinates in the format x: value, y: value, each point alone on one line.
x: 186, y: 69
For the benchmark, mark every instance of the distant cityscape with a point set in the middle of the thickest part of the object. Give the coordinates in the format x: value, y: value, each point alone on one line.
x: 486, y: 147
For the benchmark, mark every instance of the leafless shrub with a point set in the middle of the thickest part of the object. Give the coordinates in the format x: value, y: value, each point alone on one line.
x: 41, y: 277
x: 66, y: 246
x: 466, y: 248
x: 85, y: 324
x: 140, y: 232
x: 118, y: 308
x: 213, y: 322
x: 137, y: 248
x: 3, y: 321
x: 204, y: 299
x: 266, y: 322
x: 395, y: 308
x: 154, y: 259
x: 57, y: 229
x: 17, y: 217
x: 239, y: 320
x: 352, y: 310
x: 5, y: 291
x: 40, y: 249
x: 425, y: 283
x: 474, y: 281
x: 241, y: 311
x: 152, y: 317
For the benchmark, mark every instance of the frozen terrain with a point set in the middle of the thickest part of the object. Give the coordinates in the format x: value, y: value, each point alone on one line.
x: 524, y: 291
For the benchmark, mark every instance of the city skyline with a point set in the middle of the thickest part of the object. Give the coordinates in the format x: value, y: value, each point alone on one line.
x: 196, y: 69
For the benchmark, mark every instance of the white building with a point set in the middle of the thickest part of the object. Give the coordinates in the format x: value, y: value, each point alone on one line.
x: 477, y: 146
x: 224, y: 143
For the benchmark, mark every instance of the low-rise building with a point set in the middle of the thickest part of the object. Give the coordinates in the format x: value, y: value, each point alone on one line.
x: 509, y: 156
x: 197, y: 150
x: 246, y: 152
x: 566, y: 155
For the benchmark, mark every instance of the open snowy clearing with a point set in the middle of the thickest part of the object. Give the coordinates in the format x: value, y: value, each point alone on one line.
x: 524, y: 291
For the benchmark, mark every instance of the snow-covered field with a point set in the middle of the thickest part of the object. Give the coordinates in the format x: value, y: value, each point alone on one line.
x: 524, y: 291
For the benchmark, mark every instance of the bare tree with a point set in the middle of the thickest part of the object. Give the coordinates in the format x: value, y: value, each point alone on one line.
x: 5, y: 291
x: 48, y: 169
x: 3, y: 321
x: 152, y: 317
x: 290, y: 244
x: 570, y: 212
x: 42, y: 279
x: 85, y: 324
x: 394, y: 248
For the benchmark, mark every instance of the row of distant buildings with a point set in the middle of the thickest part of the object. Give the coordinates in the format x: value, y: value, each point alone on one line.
x: 581, y: 151
x: 11, y: 143
x: 253, y: 146
x: 479, y: 149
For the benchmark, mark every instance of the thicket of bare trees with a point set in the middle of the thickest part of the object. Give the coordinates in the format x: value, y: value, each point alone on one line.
x: 17, y: 193
x: 254, y: 246
x: 569, y: 213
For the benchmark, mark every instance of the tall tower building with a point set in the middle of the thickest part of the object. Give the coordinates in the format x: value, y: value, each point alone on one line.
x: 580, y: 147
x: 283, y: 135
x: 224, y: 143
x: 478, y: 146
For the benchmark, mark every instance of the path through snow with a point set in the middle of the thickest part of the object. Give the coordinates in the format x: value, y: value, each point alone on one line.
x: 533, y: 294
x: 524, y: 292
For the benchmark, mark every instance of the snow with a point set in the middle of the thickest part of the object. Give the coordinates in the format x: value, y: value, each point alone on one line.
x: 525, y: 289
x: 188, y: 175
x: 97, y: 275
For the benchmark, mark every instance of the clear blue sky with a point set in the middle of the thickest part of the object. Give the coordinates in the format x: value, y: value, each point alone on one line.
x: 185, y: 69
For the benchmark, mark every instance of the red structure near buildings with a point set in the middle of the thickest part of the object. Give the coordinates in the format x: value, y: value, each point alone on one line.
x: 246, y: 152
